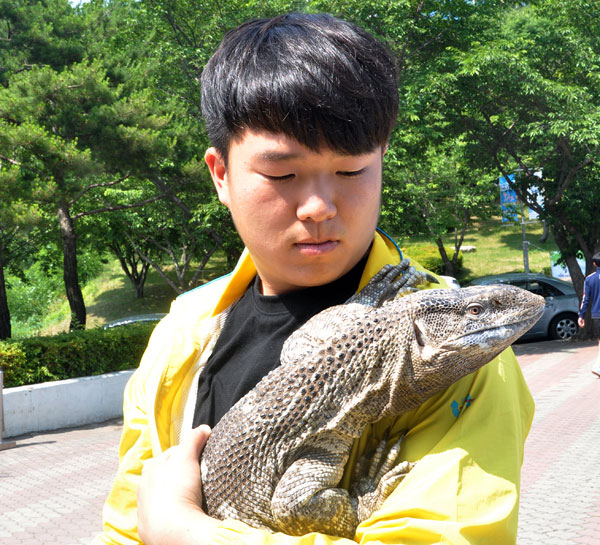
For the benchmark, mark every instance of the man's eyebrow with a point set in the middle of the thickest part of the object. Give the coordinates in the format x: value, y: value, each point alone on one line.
x: 274, y: 156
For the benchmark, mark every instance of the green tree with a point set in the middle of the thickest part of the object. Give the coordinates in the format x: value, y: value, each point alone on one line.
x: 166, y: 44
x: 38, y: 33
x: 175, y: 236
x: 70, y: 135
x: 441, y: 193
x: 17, y: 219
x: 528, y: 95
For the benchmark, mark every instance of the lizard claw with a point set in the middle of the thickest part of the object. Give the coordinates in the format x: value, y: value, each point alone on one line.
x: 431, y: 279
x: 376, y: 476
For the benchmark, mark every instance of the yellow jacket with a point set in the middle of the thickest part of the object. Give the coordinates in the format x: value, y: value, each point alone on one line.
x: 468, y: 439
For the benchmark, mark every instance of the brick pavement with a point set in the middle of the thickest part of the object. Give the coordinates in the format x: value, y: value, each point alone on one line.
x: 53, y: 485
x: 560, y: 490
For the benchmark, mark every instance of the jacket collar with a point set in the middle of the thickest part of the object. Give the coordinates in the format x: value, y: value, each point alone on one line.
x: 383, y: 251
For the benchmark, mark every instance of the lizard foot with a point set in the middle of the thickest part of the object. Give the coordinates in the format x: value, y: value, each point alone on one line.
x: 390, y: 282
x: 376, y: 476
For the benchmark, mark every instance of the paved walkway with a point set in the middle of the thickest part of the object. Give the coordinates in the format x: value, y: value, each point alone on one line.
x: 560, y: 490
x: 53, y: 485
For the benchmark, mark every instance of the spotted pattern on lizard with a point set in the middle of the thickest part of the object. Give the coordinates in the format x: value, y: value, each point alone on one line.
x: 276, y: 458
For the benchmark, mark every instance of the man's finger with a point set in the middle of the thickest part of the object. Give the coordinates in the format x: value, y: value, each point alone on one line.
x: 194, y: 443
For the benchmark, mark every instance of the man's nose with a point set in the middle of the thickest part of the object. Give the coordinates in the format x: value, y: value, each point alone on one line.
x: 317, y: 201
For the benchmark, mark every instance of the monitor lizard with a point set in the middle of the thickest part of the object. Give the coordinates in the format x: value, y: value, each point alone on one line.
x: 276, y: 458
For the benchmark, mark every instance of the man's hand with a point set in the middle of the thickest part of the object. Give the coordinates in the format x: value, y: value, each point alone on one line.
x: 581, y: 323
x: 170, y: 495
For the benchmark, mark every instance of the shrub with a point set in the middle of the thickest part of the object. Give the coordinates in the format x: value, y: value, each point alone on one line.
x: 71, y: 355
x: 429, y: 257
x: 30, y: 297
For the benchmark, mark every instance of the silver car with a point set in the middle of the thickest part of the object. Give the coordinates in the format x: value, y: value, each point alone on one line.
x: 138, y: 318
x: 559, y: 320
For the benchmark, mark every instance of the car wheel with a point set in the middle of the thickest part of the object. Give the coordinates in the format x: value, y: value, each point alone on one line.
x: 563, y: 327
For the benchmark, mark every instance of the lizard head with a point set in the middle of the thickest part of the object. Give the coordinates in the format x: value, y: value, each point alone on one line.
x: 461, y: 330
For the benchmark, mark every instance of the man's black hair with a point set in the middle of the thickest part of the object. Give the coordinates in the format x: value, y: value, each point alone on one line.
x: 596, y: 259
x: 313, y: 77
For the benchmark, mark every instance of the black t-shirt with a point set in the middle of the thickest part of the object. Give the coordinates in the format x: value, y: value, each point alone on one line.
x: 251, y: 340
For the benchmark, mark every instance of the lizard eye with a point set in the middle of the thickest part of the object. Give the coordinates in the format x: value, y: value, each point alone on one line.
x: 474, y: 309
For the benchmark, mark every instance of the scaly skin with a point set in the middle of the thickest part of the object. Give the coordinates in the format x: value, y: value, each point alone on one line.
x: 276, y: 458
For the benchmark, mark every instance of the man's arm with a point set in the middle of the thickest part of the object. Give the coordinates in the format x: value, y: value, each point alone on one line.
x: 119, y: 514
x: 136, y: 445
x: 169, y: 495
x: 585, y: 301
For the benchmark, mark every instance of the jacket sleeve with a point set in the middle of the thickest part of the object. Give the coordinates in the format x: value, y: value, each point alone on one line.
x: 120, y: 508
x: 469, y: 443
x: 585, y: 300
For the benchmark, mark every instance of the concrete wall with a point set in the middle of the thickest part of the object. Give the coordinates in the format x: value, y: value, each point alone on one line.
x: 64, y: 403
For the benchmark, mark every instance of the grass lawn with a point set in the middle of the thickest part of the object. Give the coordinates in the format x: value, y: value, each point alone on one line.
x: 111, y: 295
x: 499, y: 248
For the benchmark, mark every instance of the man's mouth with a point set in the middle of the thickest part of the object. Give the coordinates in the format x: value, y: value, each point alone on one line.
x: 314, y: 248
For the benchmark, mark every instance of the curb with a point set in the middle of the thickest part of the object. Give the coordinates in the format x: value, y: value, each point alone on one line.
x: 64, y: 403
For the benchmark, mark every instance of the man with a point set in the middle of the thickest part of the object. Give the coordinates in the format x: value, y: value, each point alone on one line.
x: 591, y: 296
x: 299, y: 109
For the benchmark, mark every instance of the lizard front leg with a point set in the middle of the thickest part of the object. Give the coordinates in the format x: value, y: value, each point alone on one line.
x: 376, y: 476
x: 391, y: 281
x: 307, y: 497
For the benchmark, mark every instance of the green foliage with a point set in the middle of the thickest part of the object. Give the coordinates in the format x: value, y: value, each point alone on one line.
x: 69, y: 132
x: 34, y: 292
x: 525, y: 94
x: 42, y: 32
x: 30, y: 296
x: 429, y: 257
x: 14, y: 364
x: 99, y: 108
x: 75, y: 354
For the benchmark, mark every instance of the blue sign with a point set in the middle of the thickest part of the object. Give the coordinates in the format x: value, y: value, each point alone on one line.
x: 508, y: 200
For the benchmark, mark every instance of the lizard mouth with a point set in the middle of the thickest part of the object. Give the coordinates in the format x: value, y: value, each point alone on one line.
x: 502, y: 334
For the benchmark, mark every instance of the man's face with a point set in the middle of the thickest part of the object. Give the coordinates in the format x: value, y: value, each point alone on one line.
x: 306, y: 217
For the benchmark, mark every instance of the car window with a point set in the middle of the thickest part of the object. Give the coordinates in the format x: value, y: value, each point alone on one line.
x: 537, y: 288
x: 544, y: 289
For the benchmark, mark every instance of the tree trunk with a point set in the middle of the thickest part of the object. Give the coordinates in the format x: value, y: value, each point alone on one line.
x: 5, y: 331
x: 140, y: 280
x: 545, y: 233
x: 74, y: 295
x: 448, y: 264
x: 577, y: 278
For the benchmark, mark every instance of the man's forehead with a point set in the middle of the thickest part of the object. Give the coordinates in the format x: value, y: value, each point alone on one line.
x: 276, y: 155
x: 277, y: 147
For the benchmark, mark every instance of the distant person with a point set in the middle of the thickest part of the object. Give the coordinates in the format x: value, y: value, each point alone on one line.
x: 591, y: 296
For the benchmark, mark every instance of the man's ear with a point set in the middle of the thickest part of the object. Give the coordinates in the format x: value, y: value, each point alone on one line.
x: 218, y: 172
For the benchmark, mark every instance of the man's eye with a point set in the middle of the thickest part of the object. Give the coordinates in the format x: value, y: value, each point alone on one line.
x: 351, y: 173
x: 279, y: 178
